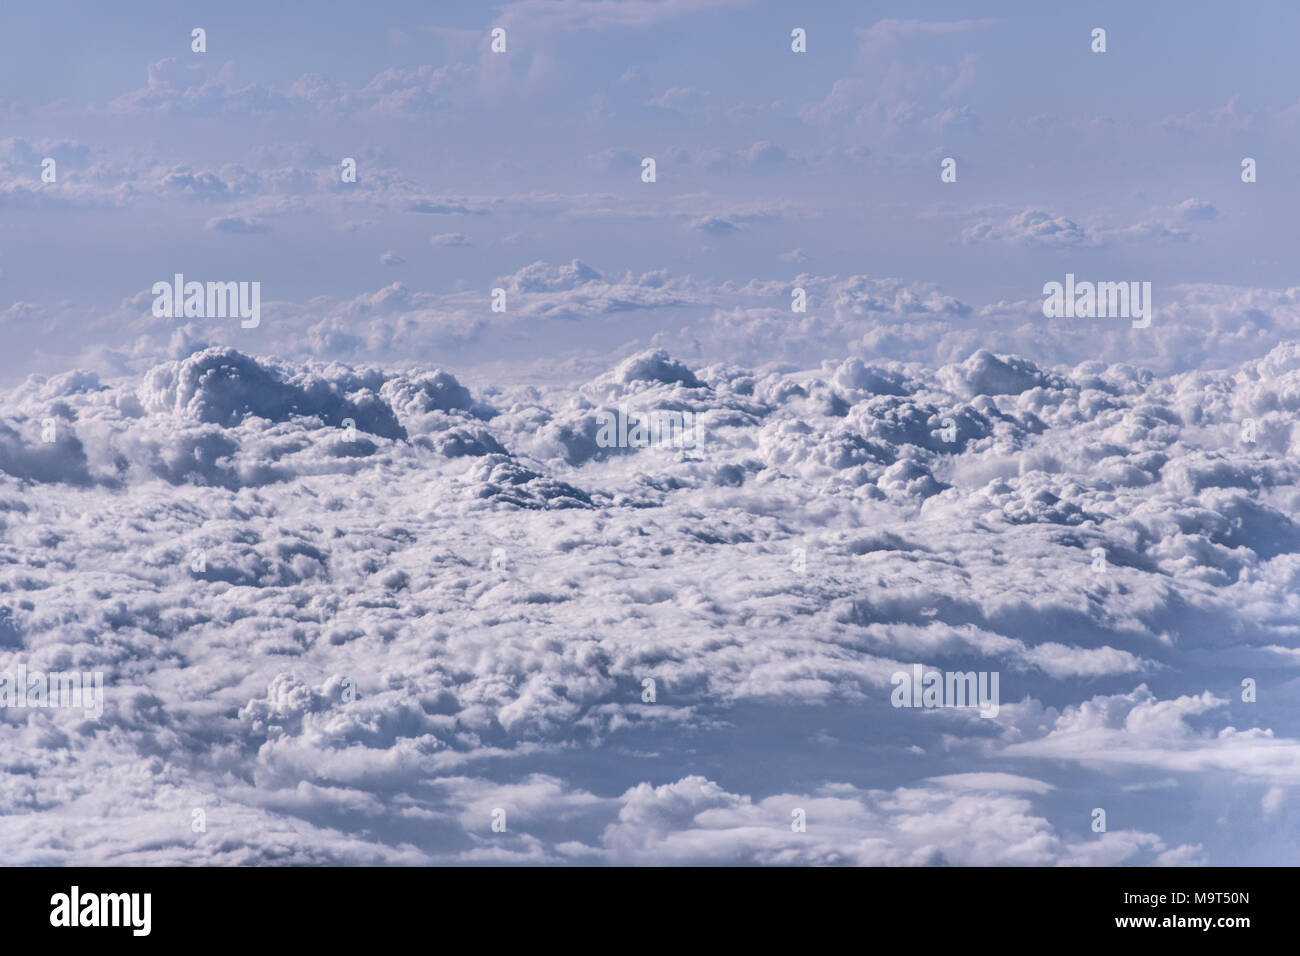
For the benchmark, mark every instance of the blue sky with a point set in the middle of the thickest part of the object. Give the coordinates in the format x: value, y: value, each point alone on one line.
x: 761, y: 152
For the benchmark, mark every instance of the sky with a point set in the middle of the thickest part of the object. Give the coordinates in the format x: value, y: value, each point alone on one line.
x: 131, y: 439
x: 473, y: 165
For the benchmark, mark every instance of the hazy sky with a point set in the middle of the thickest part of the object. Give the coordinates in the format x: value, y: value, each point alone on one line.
x: 225, y: 165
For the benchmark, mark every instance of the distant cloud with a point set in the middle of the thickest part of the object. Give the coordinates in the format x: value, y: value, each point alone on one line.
x: 450, y: 239
x: 548, y: 16
x: 1031, y: 227
x: 714, y: 225
x: 894, y: 30
x: 1196, y: 210
x: 237, y: 225
x: 678, y: 97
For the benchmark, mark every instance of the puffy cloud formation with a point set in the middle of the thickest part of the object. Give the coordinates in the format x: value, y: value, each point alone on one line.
x: 411, y: 548
x: 561, y: 319
x: 350, y: 612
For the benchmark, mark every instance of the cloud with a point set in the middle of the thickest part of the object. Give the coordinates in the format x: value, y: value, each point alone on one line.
x: 681, y: 99
x: 1225, y: 117
x: 363, y: 576
x: 237, y: 225
x: 992, y: 782
x: 1139, y: 729
x: 694, y: 821
x: 894, y: 95
x: 714, y: 225
x: 888, y: 31
x: 1038, y: 229
x: 547, y: 16
x: 450, y: 239
x: 186, y: 91
x: 1030, y: 227
x: 574, y: 571
x: 1196, y: 210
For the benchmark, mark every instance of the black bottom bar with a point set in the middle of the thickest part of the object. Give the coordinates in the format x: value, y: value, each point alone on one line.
x: 336, y: 906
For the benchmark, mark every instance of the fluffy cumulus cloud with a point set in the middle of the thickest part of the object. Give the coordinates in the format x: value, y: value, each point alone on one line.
x: 351, y: 612
x: 622, y: 513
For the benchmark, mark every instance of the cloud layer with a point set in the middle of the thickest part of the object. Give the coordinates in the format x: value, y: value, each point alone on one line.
x: 416, y: 602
